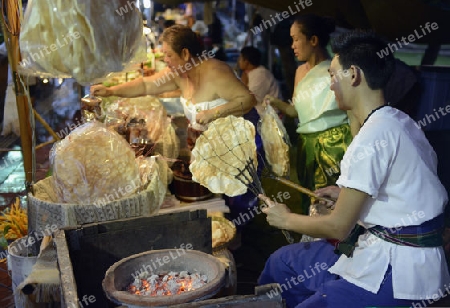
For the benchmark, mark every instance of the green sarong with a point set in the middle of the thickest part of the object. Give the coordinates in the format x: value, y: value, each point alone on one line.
x: 318, y: 159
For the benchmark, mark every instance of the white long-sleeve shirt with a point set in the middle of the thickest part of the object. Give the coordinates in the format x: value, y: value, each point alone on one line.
x: 391, y: 160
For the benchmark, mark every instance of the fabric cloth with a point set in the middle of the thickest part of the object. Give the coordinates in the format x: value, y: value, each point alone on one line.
x: 392, y: 161
x: 428, y: 234
x: 316, y: 105
x: 318, y: 158
x: 44, y: 280
x: 262, y: 82
x: 324, y: 134
x: 190, y: 110
x: 301, y: 271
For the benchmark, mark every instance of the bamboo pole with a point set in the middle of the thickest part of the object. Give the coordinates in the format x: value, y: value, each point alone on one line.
x: 46, y: 126
x: 11, y: 29
x: 41, y: 145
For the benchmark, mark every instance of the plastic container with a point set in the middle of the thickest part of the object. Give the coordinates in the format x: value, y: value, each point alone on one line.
x: 19, y: 263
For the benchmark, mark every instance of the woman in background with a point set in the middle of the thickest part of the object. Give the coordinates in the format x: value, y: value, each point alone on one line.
x: 324, y: 132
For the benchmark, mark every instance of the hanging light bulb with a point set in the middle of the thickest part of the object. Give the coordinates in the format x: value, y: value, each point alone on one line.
x: 147, y: 4
x: 147, y: 30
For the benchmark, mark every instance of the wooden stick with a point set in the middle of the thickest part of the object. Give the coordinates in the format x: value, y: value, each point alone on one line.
x: 301, y: 189
x: 41, y: 145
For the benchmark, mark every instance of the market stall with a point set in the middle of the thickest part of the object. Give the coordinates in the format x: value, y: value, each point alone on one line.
x: 111, y: 170
x: 113, y: 230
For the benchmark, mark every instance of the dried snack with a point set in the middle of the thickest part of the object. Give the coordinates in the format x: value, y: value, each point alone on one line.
x: 275, y: 142
x: 93, y: 163
x: 223, y: 231
x: 221, y: 153
x: 219, y: 235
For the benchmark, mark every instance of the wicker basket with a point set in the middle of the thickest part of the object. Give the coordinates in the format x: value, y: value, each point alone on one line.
x: 45, y: 213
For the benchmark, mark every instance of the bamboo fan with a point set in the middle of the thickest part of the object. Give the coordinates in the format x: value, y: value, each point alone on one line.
x: 225, y: 159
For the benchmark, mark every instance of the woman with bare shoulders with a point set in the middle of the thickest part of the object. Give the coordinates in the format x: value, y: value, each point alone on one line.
x: 209, y: 90
x: 323, y: 128
x: 206, y: 83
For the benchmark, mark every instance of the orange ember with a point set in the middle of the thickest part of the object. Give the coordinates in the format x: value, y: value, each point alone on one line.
x: 171, y: 284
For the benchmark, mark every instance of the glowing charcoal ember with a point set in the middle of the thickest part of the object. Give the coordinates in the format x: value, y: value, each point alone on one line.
x: 166, y: 284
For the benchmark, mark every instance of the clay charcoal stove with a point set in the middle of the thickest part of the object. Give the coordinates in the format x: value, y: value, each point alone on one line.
x: 163, y: 278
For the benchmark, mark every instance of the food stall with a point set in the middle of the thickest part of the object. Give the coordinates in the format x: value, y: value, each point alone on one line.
x: 108, y: 187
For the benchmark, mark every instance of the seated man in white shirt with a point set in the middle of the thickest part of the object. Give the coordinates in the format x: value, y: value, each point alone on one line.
x: 259, y: 80
x: 388, y: 187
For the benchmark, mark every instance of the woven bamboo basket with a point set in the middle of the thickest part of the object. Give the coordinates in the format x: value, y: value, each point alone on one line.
x: 45, y: 213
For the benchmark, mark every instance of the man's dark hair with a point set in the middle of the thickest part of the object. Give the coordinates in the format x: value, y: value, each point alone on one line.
x: 169, y: 23
x: 252, y: 55
x: 362, y: 48
x: 179, y: 37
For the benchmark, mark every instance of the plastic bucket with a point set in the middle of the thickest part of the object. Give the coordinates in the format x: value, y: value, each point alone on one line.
x: 19, y: 263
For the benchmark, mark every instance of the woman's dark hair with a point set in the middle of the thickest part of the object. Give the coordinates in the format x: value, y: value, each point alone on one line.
x: 215, y: 31
x: 180, y: 37
x: 363, y: 48
x: 313, y: 25
x: 252, y: 55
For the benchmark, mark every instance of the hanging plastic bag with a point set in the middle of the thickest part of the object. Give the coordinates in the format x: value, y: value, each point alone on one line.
x: 10, y: 114
x: 82, y: 39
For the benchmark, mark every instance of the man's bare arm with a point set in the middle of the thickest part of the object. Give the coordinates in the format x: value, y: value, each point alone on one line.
x: 336, y: 225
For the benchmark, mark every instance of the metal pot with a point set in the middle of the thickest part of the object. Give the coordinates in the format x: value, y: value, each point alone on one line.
x: 187, y: 190
x: 183, y: 187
